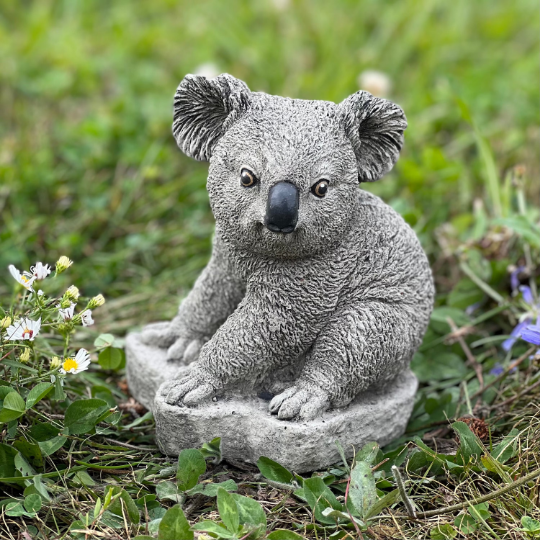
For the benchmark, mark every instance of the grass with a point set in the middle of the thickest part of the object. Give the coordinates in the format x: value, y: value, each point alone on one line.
x: 88, y: 169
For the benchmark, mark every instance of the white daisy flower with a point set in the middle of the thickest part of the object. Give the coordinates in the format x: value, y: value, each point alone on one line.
x: 40, y: 271
x: 77, y: 364
x: 25, y: 279
x: 66, y: 313
x: 86, y: 318
x: 24, y: 329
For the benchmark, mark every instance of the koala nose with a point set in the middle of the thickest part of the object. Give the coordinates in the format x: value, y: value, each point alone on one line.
x: 282, y: 208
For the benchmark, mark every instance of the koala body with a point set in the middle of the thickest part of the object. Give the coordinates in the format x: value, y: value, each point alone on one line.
x: 316, y: 290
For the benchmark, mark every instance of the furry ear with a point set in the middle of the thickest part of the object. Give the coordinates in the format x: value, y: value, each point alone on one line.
x: 375, y: 128
x: 204, y: 109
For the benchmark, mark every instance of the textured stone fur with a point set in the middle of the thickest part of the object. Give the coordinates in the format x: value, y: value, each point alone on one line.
x: 340, y: 304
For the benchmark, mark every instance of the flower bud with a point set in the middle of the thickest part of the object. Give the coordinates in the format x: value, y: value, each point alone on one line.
x: 72, y: 293
x: 95, y: 302
x: 55, y: 362
x: 5, y: 322
x: 65, y: 303
x: 63, y: 263
x: 25, y: 356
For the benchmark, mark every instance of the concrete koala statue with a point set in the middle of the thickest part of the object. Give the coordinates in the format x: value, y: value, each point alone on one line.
x: 316, y: 290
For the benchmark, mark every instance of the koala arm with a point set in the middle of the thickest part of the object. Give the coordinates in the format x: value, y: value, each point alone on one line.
x: 266, y: 331
x: 214, y: 296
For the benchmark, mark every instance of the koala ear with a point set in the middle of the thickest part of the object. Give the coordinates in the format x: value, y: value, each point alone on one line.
x: 204, y: 109
x: 375, y: 128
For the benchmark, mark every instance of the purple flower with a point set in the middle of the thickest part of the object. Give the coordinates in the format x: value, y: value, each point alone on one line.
x: 515, y: 334
x: 497, y: 369
x: 527, y: 295
x: 523, y: 328
x: 514, y: 278
x: 531, y: 334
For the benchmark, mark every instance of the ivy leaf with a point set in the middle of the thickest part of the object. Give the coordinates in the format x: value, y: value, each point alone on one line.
x: 274, y: 471
x: 191, y: 464
x: 228, y: 511
x: 174, y: 526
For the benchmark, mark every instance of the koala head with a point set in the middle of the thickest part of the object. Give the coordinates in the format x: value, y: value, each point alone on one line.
x: 284, y: 172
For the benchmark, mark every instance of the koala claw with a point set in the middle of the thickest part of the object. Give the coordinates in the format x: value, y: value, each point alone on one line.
x: 191, y: 390
x: 185, y: 350
x: 160, y: 334
x: 302, y: 403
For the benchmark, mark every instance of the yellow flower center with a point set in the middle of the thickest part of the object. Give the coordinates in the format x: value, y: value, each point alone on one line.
x: 29, y: 332
x: 25, y: 279
x: 70, y: 363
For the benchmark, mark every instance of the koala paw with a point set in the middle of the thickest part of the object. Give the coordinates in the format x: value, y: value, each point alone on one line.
x: 185, y: 350
x: 160, y: 334
x: 192, y: 389
x: 303, y: 403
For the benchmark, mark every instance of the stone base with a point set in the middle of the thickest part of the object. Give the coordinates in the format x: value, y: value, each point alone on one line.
x: 247, y: 429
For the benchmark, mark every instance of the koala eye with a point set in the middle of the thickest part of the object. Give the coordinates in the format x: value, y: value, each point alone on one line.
x: 247, y: 178
x: 320, y: 188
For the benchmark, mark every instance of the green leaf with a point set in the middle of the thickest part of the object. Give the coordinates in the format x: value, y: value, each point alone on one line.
x: 274, y: 471
x: 104, y: 340
x: 444, y: 366
x: 443, y: 532
x: 284, y: 534
x: 37, y: 393
x: 319, y: 497
x: 191, y: 464
x: 228, y: 511
x: 4, y: 391
x: 16, y: 509
x: 59, y: 394
x: 123, y: 504
x: 30, y: 451
x: 368, y: 453
x: 212, y: 450
x: 507, y: 448
x: 384, y: 502
x: 111, y: 358
x: 530, y: 525
x: 250, y: 514
x: 470, y: 444
x: 168, y: 491
x: 439, y: 324
x: 464, y: 294
x: 47, y: 437
x: 211, y: 489
x: 174, y: 526
x: 213, y: 528
x: 480, y: 512
x: 466, y: 524
x: 82, y: 415
x: 51, y: 446
x: 13, y: 407
x: 362, y: 490
x: 32, y: 503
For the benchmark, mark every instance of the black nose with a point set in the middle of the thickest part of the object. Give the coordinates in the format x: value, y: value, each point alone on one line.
x: 282, y: 208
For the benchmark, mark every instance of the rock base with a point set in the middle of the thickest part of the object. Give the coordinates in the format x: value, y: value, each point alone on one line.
x: 247, y: 429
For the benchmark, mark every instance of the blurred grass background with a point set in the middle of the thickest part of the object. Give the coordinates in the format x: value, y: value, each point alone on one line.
x: 89, y: 169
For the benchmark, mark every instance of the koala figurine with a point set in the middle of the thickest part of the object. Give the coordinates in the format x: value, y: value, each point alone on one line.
x: 316, y: 290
